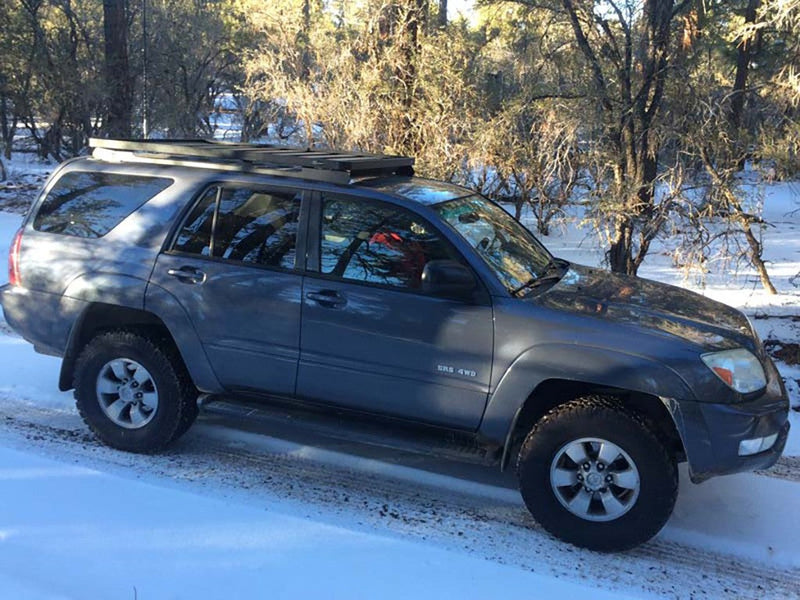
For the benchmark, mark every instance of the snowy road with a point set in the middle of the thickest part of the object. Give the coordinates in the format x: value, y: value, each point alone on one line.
x: 731, y: 537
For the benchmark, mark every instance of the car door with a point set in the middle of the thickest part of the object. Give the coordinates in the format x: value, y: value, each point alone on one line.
x: 233, y: 266
x: 370, y: 338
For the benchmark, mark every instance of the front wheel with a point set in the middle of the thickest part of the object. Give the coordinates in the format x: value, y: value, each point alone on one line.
x: 594, y: 475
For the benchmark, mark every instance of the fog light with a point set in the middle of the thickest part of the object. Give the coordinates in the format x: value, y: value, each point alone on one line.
x: 756, y: 445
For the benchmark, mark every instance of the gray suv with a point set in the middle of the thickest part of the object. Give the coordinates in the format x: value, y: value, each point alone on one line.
x: 342, y: 288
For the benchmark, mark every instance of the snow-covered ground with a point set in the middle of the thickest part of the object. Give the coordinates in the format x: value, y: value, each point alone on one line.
x: 229, y: 513
x: 70, y: 531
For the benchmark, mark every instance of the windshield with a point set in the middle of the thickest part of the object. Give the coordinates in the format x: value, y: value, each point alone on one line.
x: 516, y: 257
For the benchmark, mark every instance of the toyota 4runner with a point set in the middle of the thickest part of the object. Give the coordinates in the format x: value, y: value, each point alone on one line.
x: 333, y: 283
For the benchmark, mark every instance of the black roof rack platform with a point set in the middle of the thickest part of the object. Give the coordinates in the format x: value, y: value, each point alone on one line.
x: 304, y: 163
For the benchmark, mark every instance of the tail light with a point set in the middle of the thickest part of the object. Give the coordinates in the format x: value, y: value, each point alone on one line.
x: 13, y: 260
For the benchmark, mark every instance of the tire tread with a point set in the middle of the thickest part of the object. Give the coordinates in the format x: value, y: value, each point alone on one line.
x: 164, y: 355
x: 591, y: 408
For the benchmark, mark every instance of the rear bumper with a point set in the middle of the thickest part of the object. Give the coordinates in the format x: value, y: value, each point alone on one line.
x: 42, y: 319
x: 711, y: 432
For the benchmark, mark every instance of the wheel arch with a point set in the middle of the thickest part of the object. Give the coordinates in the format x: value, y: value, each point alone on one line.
x: 547, y: 376
x: 98, y: 317
x: 552, y: 393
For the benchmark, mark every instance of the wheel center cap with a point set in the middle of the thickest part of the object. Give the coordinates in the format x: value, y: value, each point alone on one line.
x: 594, y: 480
x: 126, y: 394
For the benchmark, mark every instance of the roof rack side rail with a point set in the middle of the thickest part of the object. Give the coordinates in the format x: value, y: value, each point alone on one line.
x: 121, y: 156
x: 250, y: 156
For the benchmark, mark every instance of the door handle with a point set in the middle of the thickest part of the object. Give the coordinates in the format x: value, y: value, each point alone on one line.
x: 187, y: 275
x: 327, y: 298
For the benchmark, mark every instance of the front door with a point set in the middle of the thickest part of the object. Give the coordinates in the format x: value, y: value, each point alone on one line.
x: 232, y: 266
x: 371, y: 339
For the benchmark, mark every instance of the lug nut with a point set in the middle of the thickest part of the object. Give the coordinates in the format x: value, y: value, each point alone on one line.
x: 580, y: 477
x: 609, y: 479
x: 586, y: 466
x: 139, y: 394
x: 600, y: 466
x: 134, y: 384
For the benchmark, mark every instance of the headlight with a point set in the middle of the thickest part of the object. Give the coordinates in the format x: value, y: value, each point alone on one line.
x: 738, y: 368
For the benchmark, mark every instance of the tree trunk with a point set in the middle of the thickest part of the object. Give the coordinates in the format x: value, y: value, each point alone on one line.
x: 621, y: 248
x: 742, y: 68
x: 756, y: 250
x: 413, y: 15
x: 742, y: 220
x: 303, y: 42
x: 441, y: 18
x: 118, y: 81
x: 305, y: 66
x: 8, y: 128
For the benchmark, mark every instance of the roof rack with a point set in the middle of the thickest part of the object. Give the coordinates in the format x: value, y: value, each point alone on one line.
x: 303, y: 163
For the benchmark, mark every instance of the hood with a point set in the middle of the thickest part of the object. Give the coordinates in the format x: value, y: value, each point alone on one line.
x: 650, y: 306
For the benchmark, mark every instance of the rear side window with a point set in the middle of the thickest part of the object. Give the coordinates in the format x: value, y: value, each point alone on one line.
x: 245, y: 225
x: 89, y: 205
x: 195, y: 235
x: 257, y: 227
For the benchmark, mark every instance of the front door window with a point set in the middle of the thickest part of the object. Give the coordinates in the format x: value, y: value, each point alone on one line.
x: 377, y: 243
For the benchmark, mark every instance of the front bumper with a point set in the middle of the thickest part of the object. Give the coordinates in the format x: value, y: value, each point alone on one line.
x: 711, y: 432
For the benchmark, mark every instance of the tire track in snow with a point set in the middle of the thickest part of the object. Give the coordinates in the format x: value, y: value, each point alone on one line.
x: 490, y: 526
x: 787, y: 467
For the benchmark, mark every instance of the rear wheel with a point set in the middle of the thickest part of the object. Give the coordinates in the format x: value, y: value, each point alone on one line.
x: 132, y: 392
x: 594, y: 475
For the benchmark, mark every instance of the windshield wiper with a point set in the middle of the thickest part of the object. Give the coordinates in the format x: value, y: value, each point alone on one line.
x: 553, y: 271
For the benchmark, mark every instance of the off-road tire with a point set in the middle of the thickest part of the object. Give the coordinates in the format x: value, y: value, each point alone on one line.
x: 598, y: 417
x: 177, y: 396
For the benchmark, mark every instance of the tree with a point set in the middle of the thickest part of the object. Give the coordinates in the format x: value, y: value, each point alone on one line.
x: 775, y: 32
x: 117, y: 73
x: 783, y: 18
x: 722, y: 212
x: 743, y: 57
x: 625, y: 49
x: 12, y: 61
x: 377, y: 81
x: 60, y: 91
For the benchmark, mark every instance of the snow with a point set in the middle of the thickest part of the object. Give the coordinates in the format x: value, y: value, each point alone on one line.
x: 725, y: 515
x: 106, y: 537
x: 78, y: 520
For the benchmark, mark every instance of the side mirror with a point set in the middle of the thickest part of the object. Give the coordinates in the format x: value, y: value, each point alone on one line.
x: 447, y: 278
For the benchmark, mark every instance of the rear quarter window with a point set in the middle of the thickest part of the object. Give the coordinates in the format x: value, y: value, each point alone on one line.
x: 90, y: 204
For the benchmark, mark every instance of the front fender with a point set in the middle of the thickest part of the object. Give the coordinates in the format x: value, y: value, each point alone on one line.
x: 584, y: 364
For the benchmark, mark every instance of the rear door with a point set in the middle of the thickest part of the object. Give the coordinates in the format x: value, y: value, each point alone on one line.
x: 234, y: 267
x: 371, y: 339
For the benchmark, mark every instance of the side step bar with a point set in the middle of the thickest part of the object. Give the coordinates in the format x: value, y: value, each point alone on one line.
x: 280, y: 420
